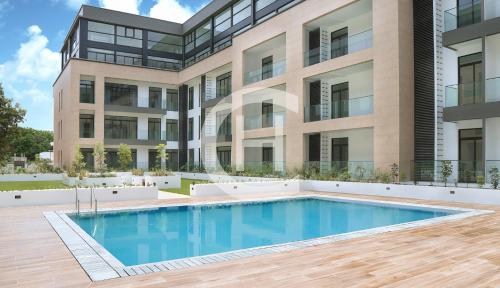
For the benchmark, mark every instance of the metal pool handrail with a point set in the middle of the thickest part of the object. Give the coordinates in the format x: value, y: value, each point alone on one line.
x: 77, y: 201
x: 92, y: 194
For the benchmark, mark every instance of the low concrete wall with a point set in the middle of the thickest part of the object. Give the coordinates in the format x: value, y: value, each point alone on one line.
x: 163, y: 182
x: 31, y: 177
x: 248, y: 188
x: 224, y: 177
x: 451, y: 194
x: 68, y: 196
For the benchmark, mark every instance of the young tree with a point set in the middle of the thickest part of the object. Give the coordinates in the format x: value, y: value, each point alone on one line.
x: 161, y: 155
x: 78, y: 161
x: 394, y: 172
x: 446, y: 170
x: 494, y: 177
x: 124, y: 157
x: 10, y: 116
x: 99, y: 157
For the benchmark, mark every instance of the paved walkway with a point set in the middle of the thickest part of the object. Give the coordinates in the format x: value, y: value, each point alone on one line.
x: 170, y: 195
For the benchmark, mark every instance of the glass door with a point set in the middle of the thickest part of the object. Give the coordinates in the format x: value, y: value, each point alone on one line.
x: 470, y: 79
x: 469, y: 12
x: 340, y: 100
x: 340, y: 153
x: 339, y: 43
x: 470, y: 154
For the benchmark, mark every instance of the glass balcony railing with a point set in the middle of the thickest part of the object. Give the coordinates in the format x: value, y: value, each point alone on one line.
x: 279, y: 67
x: 450, y: 19
x: 463, y: 94
x: 144, y: 134
x: 461, y: 171
x: 355, y: 170
x: 276, y: 119
x: 339, y: 109
x: 265, y: 168
x: 356, y: 42
x: 492, y: 90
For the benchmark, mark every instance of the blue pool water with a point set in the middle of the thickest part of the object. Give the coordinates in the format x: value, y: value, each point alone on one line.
x: 145, y: 236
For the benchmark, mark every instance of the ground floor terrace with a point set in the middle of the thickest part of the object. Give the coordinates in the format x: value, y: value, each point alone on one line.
x: 458, y: 253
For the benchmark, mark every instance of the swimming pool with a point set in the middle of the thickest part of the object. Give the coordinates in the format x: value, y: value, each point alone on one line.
x: 159, y: 234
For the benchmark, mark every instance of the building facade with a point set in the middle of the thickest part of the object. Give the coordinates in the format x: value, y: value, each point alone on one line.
x: 245, y: 84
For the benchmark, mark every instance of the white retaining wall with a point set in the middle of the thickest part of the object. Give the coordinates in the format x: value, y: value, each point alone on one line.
x: 68, y: 196
x: 245, y: 188
x: 163, y: 182
x: 31, y: 177
x: 223, y: 177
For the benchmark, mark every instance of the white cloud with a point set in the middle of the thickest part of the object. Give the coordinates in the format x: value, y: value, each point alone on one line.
x: 171, y: 10
x: 129, y: 6
x: 33, y: 68
x: 75, y: 4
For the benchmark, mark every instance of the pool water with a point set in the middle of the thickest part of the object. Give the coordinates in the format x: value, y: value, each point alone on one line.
x: 146, y: 236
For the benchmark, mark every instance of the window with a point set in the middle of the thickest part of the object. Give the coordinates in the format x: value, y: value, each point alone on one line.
x: 75, y: 40
x: 164, y: 63
x: 339, y: 43
x: 267, y: 114
x: 221, y: 44
x: 172, y: 130
x: 469, y: 12
x: 120, y: 94
x: 86, y: 126
x: 154, y: 97
x: 223, y: 122
x: 154, y: 128
x: 470, y: 79
x: 100, y: 32
x: 189, y: 42
x: 153, y: 161
x: 260, y: 4
x: 224, y: 156
x: 191, y: 156
x: 470, y: 154
x: 222, y: 22
x: 191, y: 98
x: 267, y: 67
x: 191, y: 129
x: 129, y: 36
x: 241, y: 11
x: 100, y: 55
x: 120, y: 127
x: 128, y: 59
x: 203, y: 34
x: 267, y: 155
x: 223, y: 85
x: 172, y: 100
x: 164, y: 42
x: 87, y: 91
x: 88, y: 158
x: 112, y: 158
x: 340, y: 100
x: 340, y: 153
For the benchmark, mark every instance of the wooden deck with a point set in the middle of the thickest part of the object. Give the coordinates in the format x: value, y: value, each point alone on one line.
x: 463, y: 253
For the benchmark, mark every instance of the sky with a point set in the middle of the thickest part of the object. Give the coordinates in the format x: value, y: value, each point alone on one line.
x: 31, y: 35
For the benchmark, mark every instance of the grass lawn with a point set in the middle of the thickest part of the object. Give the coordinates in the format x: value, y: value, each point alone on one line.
x: 30, y: 185
x: 184, y: 190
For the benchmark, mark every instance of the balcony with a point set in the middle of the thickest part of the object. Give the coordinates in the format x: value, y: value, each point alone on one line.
x: 340, y: 109
x: 276, y: 120
x: 463, y: 15
x: 344, y: 31
x: 264, y: 61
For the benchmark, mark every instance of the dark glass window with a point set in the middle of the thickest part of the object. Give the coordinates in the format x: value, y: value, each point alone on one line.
x: 120, y: 127
x: 153, y: 161
x: 128, y: 59
x: 339, y: 43
x: 203, y: 34
x: 267, y: 67
x: 127, y: 36
x: 470, y: 77
x: 223, y: 121
x: 340, y: 153
x: 267, y: 114
x: 470, y: 154
x: 172, y: 100
x: 154, y: 97
x: 222, y: 22
x: 154, y: 129
x: 87, y: 91
x: 100, y: 55
x: 340, y: 100
x: 88, y: 158
x: 164, y: 42
x: 164, y: 63
x: 120, y: 94
x: 100, y: 32
x: 191, y: 98
x: 190, y: 129
x: 260, y: 4
x: 189, y: 42
x: 224, y: 156
x: 86, y: 126
x: 241, y: 11
x: 469, y: 12
x: 172, y: 130
x: 223, y: 85
x: 267, y: 154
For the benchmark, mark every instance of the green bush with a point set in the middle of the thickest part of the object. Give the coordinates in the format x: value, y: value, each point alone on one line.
x: 495, y: 177
x: 480, y: 181
x: 138, y: 172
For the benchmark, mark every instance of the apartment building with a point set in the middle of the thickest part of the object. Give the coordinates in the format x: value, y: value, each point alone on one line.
x: 247, y: 83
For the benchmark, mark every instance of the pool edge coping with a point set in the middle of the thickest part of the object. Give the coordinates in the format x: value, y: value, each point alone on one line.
x: 92, y: 255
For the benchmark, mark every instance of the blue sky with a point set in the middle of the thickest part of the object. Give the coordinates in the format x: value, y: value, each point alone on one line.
x: 31, y: 34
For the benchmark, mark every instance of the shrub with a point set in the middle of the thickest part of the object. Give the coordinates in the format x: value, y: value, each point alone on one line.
x: 138, y: 172
x: 495, y: 177
x: 102, y: 175
x: 382, y: 176
x: 446, y: 170
x: 99, y: 158
x: 72, y: 172
x: 394, y: 172
x: 78, y: 164
x: 124, y: 157
x: 344, y: 176
x: 160, y: 172
x: 480, y: 181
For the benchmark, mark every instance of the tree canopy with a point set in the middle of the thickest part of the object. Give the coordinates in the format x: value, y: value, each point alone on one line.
x: 10, y: 116
x: 30, y: 142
